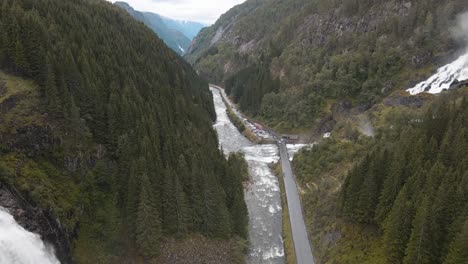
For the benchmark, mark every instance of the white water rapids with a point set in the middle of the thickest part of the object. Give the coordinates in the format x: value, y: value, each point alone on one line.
x: 445, y: 76
x: 18, y: 246
x: 262, y: 194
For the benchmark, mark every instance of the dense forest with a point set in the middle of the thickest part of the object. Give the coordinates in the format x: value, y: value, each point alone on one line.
x: 122, y: 150
x: 398, y: 197
x: 414, y: 186
x: 317, y: 52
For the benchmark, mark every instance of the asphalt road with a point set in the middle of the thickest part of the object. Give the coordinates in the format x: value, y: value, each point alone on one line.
x: 299, y: 231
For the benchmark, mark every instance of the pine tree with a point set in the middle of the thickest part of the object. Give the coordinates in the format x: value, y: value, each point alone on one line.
x: 184, y: 174
x: 196, y: 198
x: 447, y: 205
x: 215, y: 214
x: 235, y: 194
x: 114, y: 114
x: 419, y: 249
x: 53, y: 103
x: 182, y: 212
x: 352, y: 186
x: 34, y: 44
x: 432, y: 150
x: 3, y: 43
x: 76, y: 125
x: 392, y: 186
x: 148, y: 223
x: 20, y: 61
x: 239, y: 215
x: 445, y: 153
x: 458, y: 253
x: 132, y: 196
x: 169, y: 204
x: 397, y: 227
x: 460, y: 146
x: 368, y: 196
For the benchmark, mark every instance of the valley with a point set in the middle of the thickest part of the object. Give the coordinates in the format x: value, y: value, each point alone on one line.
x: 178, y: 35
x: 351, y: 78
x: 280, y: 154
x: 286, y: 132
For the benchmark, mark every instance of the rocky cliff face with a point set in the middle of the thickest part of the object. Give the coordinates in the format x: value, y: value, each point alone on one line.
x: 36, y: 220
x: 304, y: 28
x: 32, y: 153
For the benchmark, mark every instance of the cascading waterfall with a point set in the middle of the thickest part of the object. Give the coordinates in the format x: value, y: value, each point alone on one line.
x: 445, y: 76
x: 18, y: 246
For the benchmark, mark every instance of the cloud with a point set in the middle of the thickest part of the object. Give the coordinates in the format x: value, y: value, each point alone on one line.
x: 205, y: 11
x: 461, y: 30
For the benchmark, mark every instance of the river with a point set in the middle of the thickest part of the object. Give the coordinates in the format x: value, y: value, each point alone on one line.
x: 262, y: 194
x: 18, y: 246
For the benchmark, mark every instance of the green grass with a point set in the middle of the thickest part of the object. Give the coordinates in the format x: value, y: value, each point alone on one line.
x: 15, y: 85
x: 235, y: 119
x: 360, y: 245
x: 37, y: 178
x: 320, y: 174
x: 44, y: 184
x: 27, y: 107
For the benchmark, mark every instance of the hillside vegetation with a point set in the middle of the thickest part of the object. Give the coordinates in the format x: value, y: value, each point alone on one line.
x: 414, y: 187
x: 287, y: 62
x: 400, y: 197
x: 111, y: 131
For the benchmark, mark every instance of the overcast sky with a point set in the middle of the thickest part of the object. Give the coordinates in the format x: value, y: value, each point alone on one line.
x: 205, y: 11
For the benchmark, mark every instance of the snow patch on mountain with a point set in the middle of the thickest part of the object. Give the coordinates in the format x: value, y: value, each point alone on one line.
x: 181, y: 49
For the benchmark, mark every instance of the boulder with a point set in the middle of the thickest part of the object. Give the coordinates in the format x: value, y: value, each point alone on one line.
x: 405, y: 100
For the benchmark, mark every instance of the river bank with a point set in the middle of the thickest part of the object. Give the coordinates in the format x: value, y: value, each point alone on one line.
x: 262, y: 193
x: 262, y: 159
x: 253, y: 131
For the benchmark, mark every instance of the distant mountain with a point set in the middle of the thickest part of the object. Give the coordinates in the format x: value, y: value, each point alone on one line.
x: 176, y: 34
x: 189, y: 28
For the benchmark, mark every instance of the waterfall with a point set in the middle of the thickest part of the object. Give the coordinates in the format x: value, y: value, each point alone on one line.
x: 445, y: 76
x: 18, y: 246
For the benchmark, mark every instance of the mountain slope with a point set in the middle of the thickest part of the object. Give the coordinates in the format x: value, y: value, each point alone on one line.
x: 306, y: 55
x: 397, y: 197
x: 175, y: 39
x: 414, y: 186
x: 110, y: 132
